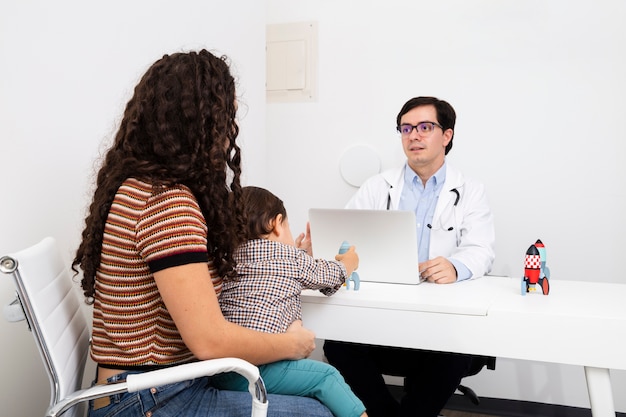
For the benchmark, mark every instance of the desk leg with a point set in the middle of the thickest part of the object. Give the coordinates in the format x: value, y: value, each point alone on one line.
x: 600, y: 392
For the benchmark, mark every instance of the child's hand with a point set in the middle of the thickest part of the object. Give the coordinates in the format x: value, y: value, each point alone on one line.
x: 303, y: 241
x: 350, y: 259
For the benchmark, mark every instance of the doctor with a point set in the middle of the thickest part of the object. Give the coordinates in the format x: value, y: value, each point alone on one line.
x: 455, y: 242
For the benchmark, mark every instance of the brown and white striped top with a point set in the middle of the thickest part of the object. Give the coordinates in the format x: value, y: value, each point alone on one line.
x: 146, y: 231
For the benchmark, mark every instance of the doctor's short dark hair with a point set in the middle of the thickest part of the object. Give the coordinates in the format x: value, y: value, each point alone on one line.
x: 260, y: 207
x: 445, y: 113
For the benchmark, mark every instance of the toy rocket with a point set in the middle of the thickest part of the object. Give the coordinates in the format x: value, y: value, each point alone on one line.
x: 354, y: 277
x: 535, y: 269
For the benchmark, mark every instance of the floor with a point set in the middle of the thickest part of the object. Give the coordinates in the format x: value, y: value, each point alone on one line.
x: 455, y: 402
x: 452, y: 413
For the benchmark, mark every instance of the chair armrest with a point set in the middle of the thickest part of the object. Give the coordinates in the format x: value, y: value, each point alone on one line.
x: 144, y: 380
x: 77, y: 397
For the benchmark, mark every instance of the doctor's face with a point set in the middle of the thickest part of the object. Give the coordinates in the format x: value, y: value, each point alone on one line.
x: 425, y: 145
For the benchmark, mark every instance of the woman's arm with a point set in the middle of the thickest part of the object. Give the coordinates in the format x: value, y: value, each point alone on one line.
x: 189, y: 296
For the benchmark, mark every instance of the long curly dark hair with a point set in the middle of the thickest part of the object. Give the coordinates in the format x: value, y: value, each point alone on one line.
x: 178, y: 128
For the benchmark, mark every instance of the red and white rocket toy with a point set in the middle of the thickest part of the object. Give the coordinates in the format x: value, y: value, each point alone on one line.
x: 535, y: 269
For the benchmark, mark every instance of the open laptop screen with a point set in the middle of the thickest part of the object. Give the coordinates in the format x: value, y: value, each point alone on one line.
x: 385, y: 241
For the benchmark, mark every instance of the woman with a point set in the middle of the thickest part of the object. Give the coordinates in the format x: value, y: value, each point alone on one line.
x: 159, y: 236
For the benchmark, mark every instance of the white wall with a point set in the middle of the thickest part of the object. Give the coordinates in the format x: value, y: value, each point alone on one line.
x: 537, y: 86
x: 540, y: 95
x: 67, y: 69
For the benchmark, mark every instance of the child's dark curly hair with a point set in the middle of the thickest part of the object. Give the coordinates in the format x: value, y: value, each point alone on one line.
x: 260, y: 208
x: 178, y: 128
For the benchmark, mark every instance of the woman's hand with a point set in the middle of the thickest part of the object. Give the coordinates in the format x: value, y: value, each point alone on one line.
x: 304, y: 339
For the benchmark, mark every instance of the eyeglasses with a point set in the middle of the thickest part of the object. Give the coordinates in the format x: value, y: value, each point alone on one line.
x: 422, y: 128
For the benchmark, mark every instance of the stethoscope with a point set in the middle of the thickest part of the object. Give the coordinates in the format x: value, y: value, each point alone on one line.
x: 456, y: 201
x: 430, y: 226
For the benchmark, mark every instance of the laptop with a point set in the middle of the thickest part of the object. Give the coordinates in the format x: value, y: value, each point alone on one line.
x: 385, y: 240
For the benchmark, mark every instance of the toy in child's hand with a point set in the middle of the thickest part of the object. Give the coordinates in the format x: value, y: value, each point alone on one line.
x: 354, y: 277
x: 535, y: 269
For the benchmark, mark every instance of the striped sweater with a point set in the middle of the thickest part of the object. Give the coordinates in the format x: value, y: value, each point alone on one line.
x: 146, y: 231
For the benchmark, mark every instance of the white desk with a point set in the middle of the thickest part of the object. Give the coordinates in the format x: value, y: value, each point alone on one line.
x: 579, y: 323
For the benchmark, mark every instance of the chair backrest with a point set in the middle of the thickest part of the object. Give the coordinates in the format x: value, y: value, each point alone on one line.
x: 54, y: 312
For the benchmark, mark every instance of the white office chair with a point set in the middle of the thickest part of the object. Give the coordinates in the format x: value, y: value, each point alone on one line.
x: 52, y: 307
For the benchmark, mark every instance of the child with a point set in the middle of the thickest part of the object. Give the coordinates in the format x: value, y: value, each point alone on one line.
x: 265, y: 296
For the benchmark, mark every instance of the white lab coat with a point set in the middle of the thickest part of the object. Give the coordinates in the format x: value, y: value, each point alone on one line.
x: 473, y: 237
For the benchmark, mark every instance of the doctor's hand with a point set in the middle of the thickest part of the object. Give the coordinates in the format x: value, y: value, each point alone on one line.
x: 438, y: 270
x: 303, y: 241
